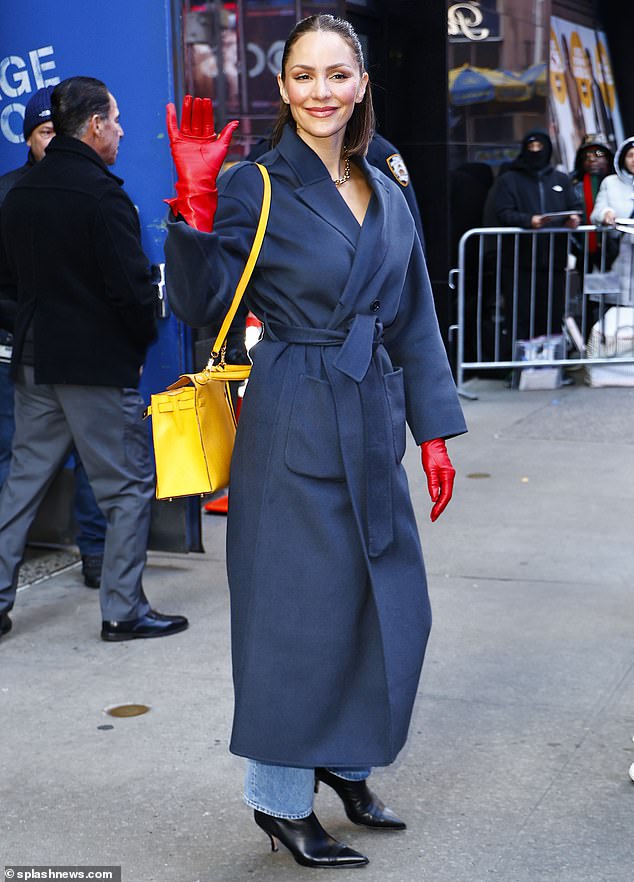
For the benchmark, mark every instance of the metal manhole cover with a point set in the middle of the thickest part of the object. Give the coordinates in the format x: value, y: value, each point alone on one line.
x: 127, y: 710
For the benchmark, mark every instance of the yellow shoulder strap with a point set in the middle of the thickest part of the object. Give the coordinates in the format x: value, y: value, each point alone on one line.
x: 250, y: 264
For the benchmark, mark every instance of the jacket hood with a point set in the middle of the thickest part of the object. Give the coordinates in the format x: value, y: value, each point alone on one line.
x: 618, y: 160
x: 596, y: 141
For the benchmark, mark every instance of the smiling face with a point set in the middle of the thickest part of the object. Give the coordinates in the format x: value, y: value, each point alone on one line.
x: 322, y: 82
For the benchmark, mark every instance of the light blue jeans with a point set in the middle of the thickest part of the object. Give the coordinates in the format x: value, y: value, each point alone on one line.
x: 286, y: 791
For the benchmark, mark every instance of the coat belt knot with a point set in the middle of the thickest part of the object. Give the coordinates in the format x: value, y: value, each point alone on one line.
x: 358, y: 344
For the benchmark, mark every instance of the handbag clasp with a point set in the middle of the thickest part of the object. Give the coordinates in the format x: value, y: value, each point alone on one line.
x: 214, y: 355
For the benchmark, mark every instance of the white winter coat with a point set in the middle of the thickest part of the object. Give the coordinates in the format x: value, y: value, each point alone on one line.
x: 617, y: 193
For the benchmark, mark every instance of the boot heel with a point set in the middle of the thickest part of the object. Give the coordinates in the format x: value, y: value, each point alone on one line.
x: 274, y: 845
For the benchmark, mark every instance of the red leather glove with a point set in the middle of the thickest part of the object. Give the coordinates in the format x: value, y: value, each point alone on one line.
x: 198, y: 154
x: 440, y: 474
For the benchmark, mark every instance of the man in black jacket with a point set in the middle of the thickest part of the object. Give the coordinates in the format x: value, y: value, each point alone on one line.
x: 526, y: 196
x: 38, y: 132
x: 593, y: 161
x: 85, y: 317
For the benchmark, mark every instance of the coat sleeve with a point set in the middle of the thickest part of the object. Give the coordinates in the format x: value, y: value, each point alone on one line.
x: 123, y: 265
x: 414, y: 343
x: 202, y: 270
x: 601, y: 203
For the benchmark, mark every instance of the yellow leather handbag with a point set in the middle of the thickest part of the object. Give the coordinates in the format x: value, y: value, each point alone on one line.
x: 193, y: 420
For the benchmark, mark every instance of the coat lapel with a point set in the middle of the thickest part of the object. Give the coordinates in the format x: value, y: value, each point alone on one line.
x: 315, y: 186
x: 372, y: 245
x: 370, y: 241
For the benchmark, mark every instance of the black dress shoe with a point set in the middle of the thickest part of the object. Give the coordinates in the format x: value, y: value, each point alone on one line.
x: 91, y: 566
x: 5, y: 623
x: 308, y: 842
x: 152, y: 624
x: 360, y: 804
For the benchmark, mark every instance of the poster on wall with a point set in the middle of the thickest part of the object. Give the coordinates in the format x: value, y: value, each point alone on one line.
x: 583, y: 100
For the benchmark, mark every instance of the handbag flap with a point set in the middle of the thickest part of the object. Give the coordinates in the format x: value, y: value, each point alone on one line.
x: 183, y: 380
x: 218, y: 373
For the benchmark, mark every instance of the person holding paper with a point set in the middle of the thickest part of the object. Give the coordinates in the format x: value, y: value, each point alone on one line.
x: 614, y: 207
x: 533, y: 194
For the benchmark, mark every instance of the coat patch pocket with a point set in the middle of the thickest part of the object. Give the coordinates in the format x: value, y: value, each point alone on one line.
x: 395, y: 390
x: 312, y: 444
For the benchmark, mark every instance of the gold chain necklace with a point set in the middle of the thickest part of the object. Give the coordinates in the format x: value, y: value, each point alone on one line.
x: 346, y: 171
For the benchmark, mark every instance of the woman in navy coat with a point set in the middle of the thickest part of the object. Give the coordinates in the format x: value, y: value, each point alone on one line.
x: 329, y: 606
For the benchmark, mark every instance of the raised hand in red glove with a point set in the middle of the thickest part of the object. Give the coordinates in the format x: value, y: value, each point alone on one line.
x: 440, y: 474
x: 198, y: 154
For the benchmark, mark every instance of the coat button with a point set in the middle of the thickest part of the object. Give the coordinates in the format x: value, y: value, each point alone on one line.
x: 375, y: 305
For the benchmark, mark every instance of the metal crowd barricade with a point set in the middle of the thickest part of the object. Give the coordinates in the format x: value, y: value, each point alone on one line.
x: 490, y: 297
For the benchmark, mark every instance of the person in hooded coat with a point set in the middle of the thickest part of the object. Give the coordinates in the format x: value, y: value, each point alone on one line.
x: 329, y: 607
x: 593, y: 162
x: 523, y: 196
x: 615, y: 199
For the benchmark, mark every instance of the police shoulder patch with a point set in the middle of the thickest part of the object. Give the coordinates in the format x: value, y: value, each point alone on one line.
x: 396, y: 165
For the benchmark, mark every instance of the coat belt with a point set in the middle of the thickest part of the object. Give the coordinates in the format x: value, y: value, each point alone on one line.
x: 358, y: 344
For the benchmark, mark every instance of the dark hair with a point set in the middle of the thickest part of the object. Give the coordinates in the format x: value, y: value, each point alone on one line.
x: 74, y: 101
x: 360, y: 126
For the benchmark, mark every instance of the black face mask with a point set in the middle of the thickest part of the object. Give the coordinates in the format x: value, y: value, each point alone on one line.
x: 536, y: 160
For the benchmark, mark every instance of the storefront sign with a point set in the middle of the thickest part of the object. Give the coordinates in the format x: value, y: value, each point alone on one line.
x: 469, y: 22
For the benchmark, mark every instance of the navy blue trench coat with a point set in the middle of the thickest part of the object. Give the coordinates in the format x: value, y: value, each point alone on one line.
x: 329, y: 605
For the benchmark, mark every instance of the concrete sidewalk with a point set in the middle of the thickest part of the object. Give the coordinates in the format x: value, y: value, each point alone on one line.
x: 516, y: 768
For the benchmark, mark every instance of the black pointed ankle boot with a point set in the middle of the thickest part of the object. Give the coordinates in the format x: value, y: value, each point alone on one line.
x: 361, y: 805
x: 308, y: 842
